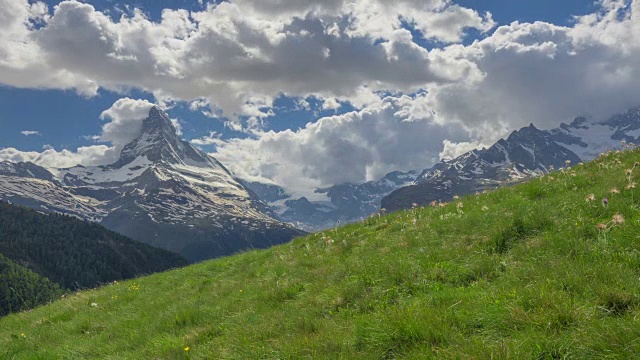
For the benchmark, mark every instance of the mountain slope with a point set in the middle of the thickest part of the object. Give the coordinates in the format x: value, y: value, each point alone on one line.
x: 74, y: 253
x: 37, y: 188
x: 540, y: 270
x: 526, y: 152
x: 161, y: 191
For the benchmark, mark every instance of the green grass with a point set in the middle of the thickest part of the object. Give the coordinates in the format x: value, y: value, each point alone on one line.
x: 521, y: 272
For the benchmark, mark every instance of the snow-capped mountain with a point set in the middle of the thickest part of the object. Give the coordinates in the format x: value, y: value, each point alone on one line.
x: 526, y: 152
x: 345, y: 202
x: 33, y: 186
x: 161, y: 191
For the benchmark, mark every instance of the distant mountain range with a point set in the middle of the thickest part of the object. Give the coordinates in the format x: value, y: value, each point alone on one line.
x: 161, y: 191
x: 165, y: 192
x: 524, y: 153
x: 345, y: 203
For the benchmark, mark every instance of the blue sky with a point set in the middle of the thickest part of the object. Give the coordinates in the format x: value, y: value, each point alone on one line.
x: 557, y: 12
x: 387, y: 102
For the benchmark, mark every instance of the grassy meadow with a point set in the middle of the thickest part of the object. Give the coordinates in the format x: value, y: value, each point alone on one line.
x: 543, y: 270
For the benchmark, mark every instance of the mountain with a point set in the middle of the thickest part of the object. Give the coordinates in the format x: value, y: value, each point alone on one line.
x: 30, y: 185
x: 344, y: 203
x: 526, y: 152
x: 531, y: 271
x: 161, y: 191
x: 73, y: 253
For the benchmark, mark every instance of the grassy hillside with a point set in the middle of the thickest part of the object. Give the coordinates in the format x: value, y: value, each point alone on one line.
x: 542, y: 270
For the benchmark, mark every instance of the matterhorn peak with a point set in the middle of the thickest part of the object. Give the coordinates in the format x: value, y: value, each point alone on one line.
x: 157, y: 119
x: 159, y: 142
x: 158, y: 127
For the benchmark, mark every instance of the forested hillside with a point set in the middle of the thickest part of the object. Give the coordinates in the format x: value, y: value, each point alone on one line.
x: 21, y: 288
x: 73, y: 253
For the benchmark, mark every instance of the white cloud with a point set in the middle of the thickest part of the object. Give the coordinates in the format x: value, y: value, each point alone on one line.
x: 30, y: 133
x: 124, y: 121
x: 439, y: 20
x: 51, y: 158
x: 543, y: 74
x: 237, y: 56
x: 331, y: 104
x: 176, y: 124
x: 22, y: 61
x: 211, y: 139
x: 353, y: 147
x: 452, y: 150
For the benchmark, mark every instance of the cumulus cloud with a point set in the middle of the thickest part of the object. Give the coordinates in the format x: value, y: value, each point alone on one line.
x: 22, y: 60
x: 238, y: 55
x: 30, y: 133
x: 331, y: 104
x: 451, y: 150
x: 353, y: 147
x: 212, y: 139
x: 124, y: 121
x: 51, y: 158
x: 543, y: 73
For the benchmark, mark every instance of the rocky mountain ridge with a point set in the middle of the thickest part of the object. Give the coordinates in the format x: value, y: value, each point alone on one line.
x: 524, y: 153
